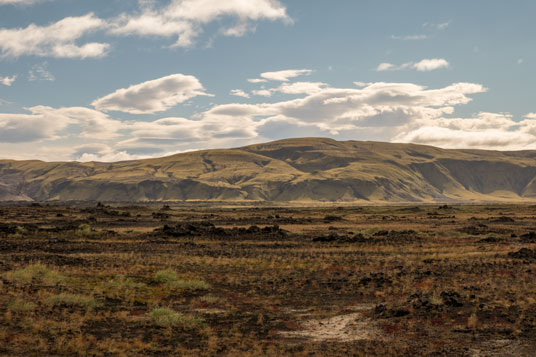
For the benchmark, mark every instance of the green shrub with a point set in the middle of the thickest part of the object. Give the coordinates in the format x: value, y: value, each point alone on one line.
x: 72, y: 300
x: 19, y: 305
x: 85, y: 230
x: 172, y: 281
x: 165, y: 276
x: 121, y: 287
x: 37, y: 272
x: 167, y: 317
x: 120, y: 282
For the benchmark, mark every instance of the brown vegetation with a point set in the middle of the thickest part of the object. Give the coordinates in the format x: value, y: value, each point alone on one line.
x: 185, y: 280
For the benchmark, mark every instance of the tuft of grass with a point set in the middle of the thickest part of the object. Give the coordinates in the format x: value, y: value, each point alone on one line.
x: 165, y: 276
x: 19, y: 305
x: 168, y: 318
x: 85, y: 230
x: 35, y: 272
x: 73, y: 300
x: 171, y: 279
x: 210, y: 299
x: 124, y: 288
x: 120, y: 282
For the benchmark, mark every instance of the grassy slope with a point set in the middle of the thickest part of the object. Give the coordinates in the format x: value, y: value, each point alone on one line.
x: 308, y: 169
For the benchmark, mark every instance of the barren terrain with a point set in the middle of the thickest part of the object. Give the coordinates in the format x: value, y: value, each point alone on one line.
x: 192, y: 280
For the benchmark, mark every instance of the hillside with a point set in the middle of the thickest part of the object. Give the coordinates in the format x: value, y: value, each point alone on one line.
x: 304, y: 170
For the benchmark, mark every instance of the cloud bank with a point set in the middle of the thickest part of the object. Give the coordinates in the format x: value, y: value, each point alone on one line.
x: 396, y: 112
x: 186, y: 19
x: 183, y: 19
x: 55, y: 40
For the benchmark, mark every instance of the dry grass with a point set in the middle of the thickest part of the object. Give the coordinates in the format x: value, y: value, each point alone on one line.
x: 447, y: 287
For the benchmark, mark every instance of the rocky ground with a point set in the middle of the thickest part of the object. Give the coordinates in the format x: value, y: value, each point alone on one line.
x: 190, y: 280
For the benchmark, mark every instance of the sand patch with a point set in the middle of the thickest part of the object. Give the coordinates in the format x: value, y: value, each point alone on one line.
x: 342, y: 328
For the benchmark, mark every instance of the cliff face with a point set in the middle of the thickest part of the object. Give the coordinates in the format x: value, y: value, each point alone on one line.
x: 309, y: 169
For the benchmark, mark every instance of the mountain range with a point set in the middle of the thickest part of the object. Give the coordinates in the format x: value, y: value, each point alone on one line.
x: 291, y: 170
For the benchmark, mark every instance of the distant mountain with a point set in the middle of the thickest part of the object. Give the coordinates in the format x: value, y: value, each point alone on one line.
x: 303, y: 170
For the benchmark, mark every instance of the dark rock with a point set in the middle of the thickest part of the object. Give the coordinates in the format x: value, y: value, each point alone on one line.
x: 523, y: 253
x: 528, y: 237
x: 451, y: 298
x: 383, y: 312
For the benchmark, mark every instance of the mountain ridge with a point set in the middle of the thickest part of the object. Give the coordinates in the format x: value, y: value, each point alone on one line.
x: 290, y: 170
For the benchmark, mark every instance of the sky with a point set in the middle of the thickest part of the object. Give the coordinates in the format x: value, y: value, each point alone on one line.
x: 111, y: 80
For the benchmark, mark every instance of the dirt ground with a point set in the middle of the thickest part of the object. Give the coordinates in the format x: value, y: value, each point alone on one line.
x: 240, y: 281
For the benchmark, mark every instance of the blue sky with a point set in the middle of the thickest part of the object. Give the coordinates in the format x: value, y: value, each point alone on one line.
x: 123, y: 79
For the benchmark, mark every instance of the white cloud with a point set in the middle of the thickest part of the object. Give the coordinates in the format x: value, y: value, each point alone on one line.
x: 386, y: 67
x: 401, y: 112
x: 262, y: 92
x: 492, y: 131
x: 152, y: 96
x: 284, y: 76
x: 8, y: 81
x: 45, y: 123
x: 55, y: 40
x: 377, y: 105
x: 16, y: 128
x: 93, y: 124
x: 239, y: 93
x: 422, y: 66
x: 257, y: 80
x: 39, y: 72
x: 492, y: 139
x: 102, y: 153
x: 214, y: 132
x: 186, y: 19
x: 431, y: 64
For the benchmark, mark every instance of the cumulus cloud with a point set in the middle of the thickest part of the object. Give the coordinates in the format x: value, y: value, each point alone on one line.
x: 339, y: 110
x: 152, y: 96
x: 425, y: 65
x: 495, y: 131
x: 186, y: 19
x: 492, y: 139
x: 239, y: 93
x: 8, y: 81
x: 15, y: 128
x: 55, y: 40
x: 102, y: 153
x: 430, y: 64
x: 93, y: 124
x: 210, y: 132
x: 45, y: 123
x: 262, y: 92
x: 400, y: 112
